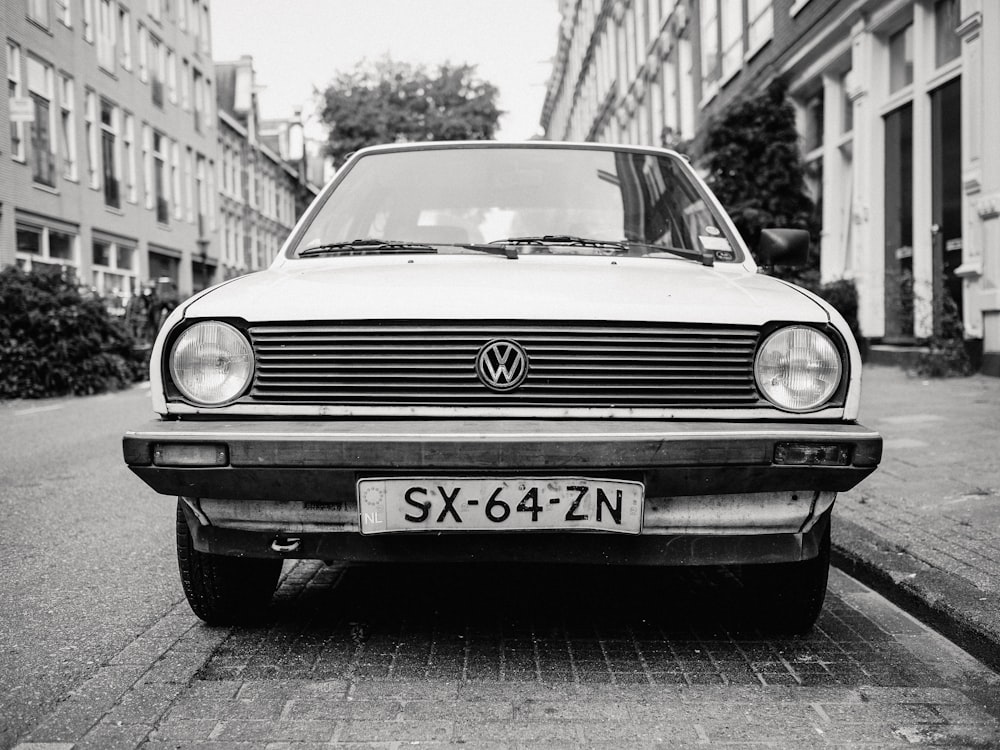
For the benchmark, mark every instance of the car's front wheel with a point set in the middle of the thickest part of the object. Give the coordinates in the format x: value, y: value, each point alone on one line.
x: 223, y: 590
x: 788, y: 597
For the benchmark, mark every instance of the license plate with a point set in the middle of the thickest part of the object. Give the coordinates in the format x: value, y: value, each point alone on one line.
x: 499, y: 504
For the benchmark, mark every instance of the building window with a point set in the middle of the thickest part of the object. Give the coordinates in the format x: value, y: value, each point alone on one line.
x: 143, y: 54
x: 731, y: 40
x: 175, y: 179
x: 711, y: 65
x: 63, y: 12
x: 88, y: 21
x: 44, y: 246
x: 128, y: 141
x: 185, y: 85
x: 947, y: 45
x: 90, y: 132
x: 200, y: 190
x: 109, y: 153
x: 67, y: 127
x: 182, y: 15
x: 155, y: 9
x: 113, y: 273
x: 157, y: 64
x: 171, y: 76
x: 38, y: 11
x: 147, y: 166
x: 161, y: 185
x: 42, y: 143
x: 198, y: 87
x: 204, y: 35
x: 125, y: 34
x: 14, y: 92
x: 107, y: 20
x: 188, y: 180
x: 901, y: 59
x: 194, y: 18
x: 760, y: 24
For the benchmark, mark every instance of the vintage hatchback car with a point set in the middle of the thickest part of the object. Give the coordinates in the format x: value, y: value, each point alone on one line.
x: 532, y: 352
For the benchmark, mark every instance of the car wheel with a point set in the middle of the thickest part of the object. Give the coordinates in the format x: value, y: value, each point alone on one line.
x: 224, y: 590
x: 788, y: 597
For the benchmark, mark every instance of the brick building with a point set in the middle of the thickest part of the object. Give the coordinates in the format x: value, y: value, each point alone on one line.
x: 894, y: 102
x: 108, y: 140
x: 261, y: 193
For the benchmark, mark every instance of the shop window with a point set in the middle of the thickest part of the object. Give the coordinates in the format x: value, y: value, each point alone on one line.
x: 947, y: 45
x: 44, y: 246
x: 901, y: 59
x: 113, y: 273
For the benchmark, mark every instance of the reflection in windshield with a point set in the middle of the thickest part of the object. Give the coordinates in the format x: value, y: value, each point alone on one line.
x: 471, y: 195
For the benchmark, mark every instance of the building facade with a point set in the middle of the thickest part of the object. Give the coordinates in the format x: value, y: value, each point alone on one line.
x: 108, y: 142
x: 895, y: 102
x: 261, y: 194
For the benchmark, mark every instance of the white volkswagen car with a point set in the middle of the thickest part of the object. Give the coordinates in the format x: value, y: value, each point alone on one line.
x: 542, y: 352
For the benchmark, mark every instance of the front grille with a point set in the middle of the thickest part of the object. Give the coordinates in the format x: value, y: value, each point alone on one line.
x: 570, y: 365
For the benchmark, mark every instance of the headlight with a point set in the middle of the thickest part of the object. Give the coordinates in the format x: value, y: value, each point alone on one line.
x: 798, y: 368
x: 211, y: 363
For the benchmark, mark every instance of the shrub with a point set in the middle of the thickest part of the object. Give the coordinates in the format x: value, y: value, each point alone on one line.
x: 947, y: 355
x: 54, y: 341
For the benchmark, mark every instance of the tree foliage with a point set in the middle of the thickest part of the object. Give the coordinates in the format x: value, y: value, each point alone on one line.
x: 55, y: 342
x: 388, y: 101
x: 755, y: 166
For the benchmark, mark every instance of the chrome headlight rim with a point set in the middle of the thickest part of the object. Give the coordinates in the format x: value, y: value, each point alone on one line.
x: 835, y: 398
x: 176, y: 390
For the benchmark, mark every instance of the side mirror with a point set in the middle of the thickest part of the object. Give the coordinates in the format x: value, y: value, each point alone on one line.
x: 784, y: 247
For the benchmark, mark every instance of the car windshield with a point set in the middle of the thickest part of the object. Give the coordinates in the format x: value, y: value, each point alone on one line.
x: 552, y: 200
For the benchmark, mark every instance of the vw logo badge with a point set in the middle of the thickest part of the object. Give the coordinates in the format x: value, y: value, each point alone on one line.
x: 502, y: 365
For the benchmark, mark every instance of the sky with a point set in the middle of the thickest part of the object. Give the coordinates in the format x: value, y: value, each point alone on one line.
x: 299, y: 45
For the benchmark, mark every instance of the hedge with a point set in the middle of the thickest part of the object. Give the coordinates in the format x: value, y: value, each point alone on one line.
x: 56, y: 342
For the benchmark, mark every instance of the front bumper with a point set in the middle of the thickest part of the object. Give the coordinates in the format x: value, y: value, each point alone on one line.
x: 713, y: 490
x: 317, y: 460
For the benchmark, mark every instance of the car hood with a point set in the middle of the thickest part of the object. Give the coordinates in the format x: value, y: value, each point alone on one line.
x: 464, y: 287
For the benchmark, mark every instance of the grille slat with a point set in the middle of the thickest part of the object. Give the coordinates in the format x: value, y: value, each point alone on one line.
x: 570, y: 365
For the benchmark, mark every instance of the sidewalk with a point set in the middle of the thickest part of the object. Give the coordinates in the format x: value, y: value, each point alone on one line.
x: 924, y: 529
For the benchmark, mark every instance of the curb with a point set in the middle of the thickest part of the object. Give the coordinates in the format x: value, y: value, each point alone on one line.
x: 947, y: 602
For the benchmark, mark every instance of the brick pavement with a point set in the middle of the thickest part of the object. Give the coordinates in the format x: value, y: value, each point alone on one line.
x: 925, y: 528
x: 484, y: 657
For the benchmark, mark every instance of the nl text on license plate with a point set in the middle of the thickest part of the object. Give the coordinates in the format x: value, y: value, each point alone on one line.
x: 499, y: 504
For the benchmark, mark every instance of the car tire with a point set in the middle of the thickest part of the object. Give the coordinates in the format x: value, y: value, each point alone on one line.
x: 224, y: 590
x: 787, y: 598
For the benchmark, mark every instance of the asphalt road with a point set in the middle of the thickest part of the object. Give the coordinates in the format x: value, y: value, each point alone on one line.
x: 86, y: 549
x: 98, y: 648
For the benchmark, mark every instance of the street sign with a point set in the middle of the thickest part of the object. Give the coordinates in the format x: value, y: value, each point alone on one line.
x: 22, y: 109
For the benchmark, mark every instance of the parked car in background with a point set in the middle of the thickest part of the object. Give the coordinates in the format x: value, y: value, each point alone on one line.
x: 540, y: 352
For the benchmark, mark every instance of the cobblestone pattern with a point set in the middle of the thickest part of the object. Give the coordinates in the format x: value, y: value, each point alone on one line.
x: 530, y: 657
x: 936, y: 495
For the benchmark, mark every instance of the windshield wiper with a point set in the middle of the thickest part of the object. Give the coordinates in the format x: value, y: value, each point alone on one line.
x: 367, y: 245
x: 563, y: 239
x: 707, y: 259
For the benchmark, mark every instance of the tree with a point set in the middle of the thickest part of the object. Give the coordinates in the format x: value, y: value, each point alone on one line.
x: 390, y: 101
x: 755, y: 168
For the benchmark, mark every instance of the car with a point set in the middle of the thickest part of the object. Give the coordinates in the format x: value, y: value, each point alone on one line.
x: 531, y: 352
